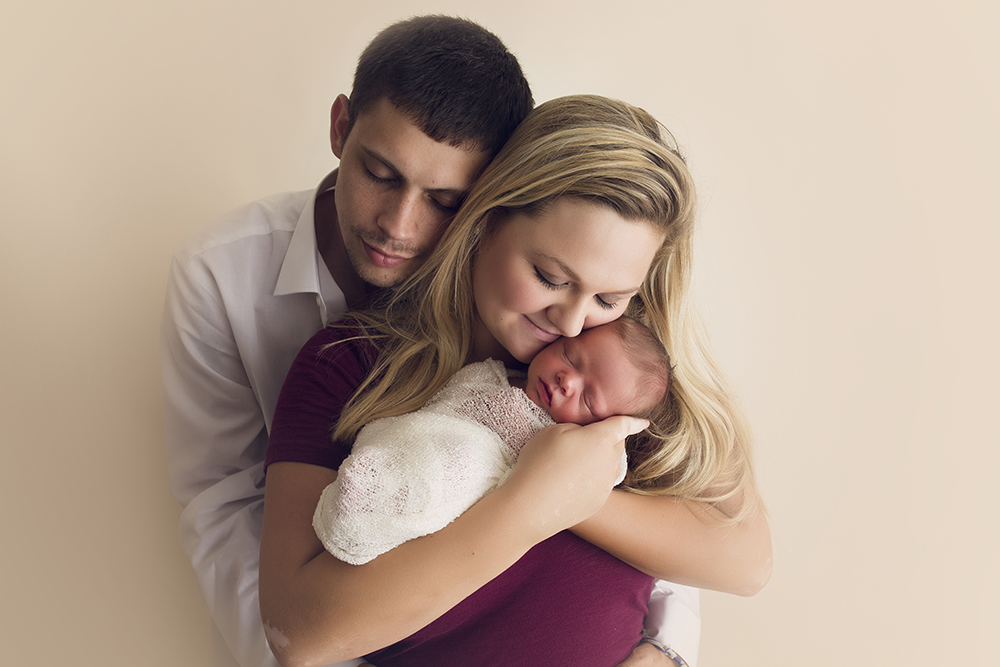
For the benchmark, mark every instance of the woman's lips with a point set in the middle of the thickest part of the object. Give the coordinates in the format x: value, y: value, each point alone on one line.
x: 540, y: 333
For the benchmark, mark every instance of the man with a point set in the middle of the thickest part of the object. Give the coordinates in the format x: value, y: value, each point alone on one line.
x: 434, y: 98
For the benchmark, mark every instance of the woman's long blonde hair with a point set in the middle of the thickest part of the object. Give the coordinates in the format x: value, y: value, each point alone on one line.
x: 617, y: 155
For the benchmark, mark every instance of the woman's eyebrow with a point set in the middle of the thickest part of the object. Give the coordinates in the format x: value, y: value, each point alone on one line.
x: 572, y: 275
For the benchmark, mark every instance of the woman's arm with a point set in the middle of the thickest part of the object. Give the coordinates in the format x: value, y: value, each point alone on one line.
x: 684, y: 541
x: 318, y: 610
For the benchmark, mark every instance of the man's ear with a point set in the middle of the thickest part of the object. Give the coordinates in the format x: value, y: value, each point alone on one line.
x: 339, y: 117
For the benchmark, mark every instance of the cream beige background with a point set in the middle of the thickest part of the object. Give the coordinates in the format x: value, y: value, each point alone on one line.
x: 847, y: 157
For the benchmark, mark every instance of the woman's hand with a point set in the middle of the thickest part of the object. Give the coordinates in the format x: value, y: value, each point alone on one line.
x: 565, y: 473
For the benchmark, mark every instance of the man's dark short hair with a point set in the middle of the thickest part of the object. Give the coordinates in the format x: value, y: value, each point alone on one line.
x: 454, y: 78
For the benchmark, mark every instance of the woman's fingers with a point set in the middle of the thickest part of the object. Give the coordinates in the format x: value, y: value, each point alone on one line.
x: 618, y: 428
x: 566, y: 472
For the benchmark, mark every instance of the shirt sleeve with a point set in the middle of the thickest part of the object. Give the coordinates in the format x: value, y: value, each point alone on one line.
x: 213, y: 422
x: 674, y: 618
x: 215, y: 440
x: 216, y: 437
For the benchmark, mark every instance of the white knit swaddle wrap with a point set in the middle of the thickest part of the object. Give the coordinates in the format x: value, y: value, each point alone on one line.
x: 412, y: 475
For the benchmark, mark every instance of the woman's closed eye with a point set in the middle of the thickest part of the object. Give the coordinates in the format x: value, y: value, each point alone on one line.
x: 548, y: 281
x: 606, y: 305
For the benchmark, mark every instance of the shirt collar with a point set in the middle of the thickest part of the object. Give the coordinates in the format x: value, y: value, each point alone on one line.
x: 299, y: 271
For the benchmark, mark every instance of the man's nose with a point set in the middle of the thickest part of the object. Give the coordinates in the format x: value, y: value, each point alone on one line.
x: 402, y: 217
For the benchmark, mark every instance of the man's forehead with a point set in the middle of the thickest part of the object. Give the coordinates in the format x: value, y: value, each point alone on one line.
x: 385, y: 133
x: 384, y: 111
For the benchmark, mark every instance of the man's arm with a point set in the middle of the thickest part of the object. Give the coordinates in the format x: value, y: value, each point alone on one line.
x: 215, y: 443
x: 214, y: 431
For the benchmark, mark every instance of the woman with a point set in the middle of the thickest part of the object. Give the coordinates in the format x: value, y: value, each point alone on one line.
x: 585, y: 215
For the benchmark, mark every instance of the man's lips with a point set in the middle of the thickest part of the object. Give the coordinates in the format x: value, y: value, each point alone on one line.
x: 384, y: 259
x: 540, y: 333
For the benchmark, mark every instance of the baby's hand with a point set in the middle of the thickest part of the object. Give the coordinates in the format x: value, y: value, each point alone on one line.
x: 566, y: 472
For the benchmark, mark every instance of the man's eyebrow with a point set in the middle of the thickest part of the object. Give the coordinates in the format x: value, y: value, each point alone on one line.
x: 452, y: 192
x: 572, y: 275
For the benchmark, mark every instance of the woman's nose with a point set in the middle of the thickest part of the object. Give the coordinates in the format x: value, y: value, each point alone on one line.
x: 568, y: 317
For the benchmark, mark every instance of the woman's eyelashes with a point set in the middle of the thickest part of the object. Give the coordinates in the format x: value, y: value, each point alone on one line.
x: 542, y: 278
x: 550, y: 283
x: 606, y: 305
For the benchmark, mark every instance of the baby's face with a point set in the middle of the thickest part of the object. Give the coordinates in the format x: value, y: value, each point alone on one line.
x: 585, y: 379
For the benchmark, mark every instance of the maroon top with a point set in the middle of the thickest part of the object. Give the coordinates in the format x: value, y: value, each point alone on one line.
x: 565, y: 602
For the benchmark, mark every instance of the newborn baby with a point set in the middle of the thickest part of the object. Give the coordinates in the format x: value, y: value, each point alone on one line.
x: 413, y: 474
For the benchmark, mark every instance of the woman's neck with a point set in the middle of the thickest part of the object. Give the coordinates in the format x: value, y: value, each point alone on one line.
x: 485, y: 346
